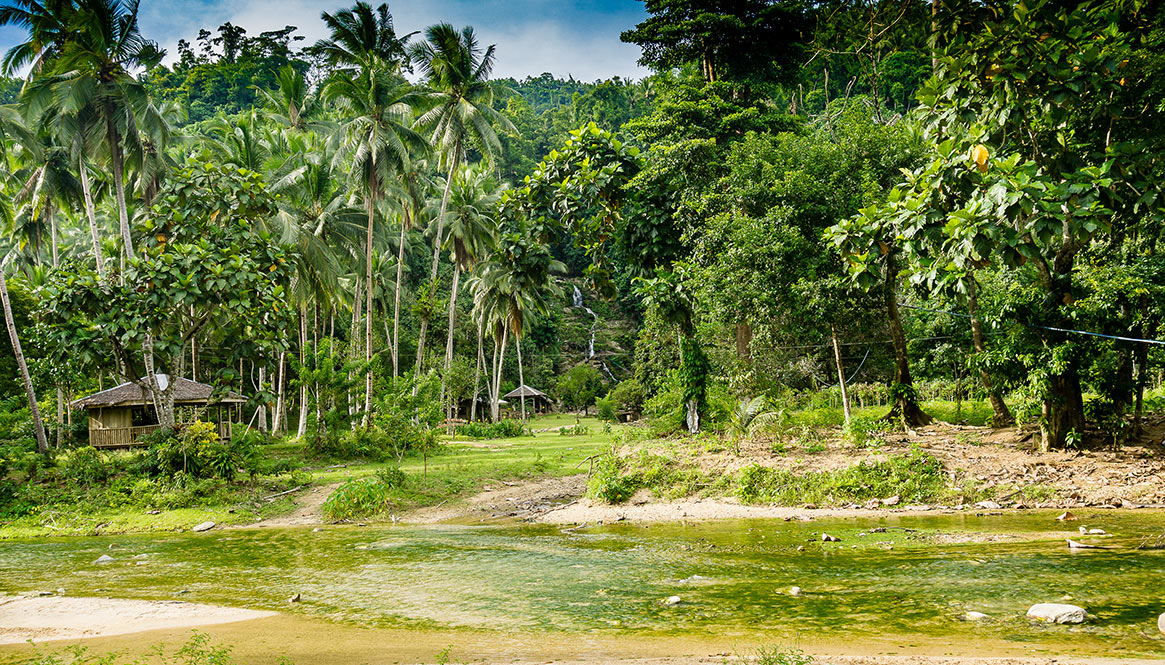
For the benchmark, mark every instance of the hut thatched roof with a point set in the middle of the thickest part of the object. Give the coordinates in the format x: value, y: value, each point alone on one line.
x: 526, y: 391
x: 131, y: 394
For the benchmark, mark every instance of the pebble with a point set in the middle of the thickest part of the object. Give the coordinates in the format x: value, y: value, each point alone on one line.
x: 988, y: 505
x: 826, y: 538
x: 104, y: 558
x: 205, y: 526
x: 796, y: 591
x: 1066, y: 516
x: 294, y: 599
x: 975, y: 616
x: 891, y: 501
x: 673, y: 600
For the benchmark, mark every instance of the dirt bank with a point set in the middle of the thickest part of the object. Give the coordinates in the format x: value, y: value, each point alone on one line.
x: 42, y: 618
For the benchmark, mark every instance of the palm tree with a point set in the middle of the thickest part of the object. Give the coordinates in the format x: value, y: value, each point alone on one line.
x: 92, y: 74
x: 316, y: 218
x: 377, y: 143
x: 13, y: 335
x: 470, y: 232
x: 47, y: 24
x: 457, y: 73
x: 238, y: 140
x: 362, y: 38
x: 409, y: 193
x: 516, y: 284
x: 291, y: 104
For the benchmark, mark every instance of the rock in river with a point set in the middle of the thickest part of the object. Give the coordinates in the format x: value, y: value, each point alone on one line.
x: 1057, y: 613
x: 1161, y: 623
x: 796, y: 591
x: 975, y: 616
x: 104, y: 558
x: 672, y: 600
x: 205, y: 526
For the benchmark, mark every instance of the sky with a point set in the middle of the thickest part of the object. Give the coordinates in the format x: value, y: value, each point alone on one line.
x: 579, y: 38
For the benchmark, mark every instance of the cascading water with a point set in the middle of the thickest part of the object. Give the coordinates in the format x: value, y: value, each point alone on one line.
x: 578, y: 304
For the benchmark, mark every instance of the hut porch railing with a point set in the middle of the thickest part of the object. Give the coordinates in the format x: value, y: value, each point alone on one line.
x: 114, y: 437
x: 117, y: 437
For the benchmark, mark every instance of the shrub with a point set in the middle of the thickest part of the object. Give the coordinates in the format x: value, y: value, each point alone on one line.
x: 629, y: 396
x: 579, y: 386
x: 502, y: 429
x: 605, y: 409
x: 365, y: 497
x: 606, y: 483
x: 915, y: 476
x: 864, y: 431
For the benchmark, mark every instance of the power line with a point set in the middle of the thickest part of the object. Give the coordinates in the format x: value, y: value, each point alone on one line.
x: 1032, y: 325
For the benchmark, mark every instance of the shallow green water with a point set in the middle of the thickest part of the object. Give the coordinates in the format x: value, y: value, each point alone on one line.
x: 733, y: 577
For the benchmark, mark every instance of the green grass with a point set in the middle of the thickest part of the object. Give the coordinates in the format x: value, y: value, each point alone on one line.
x: 463, y: 467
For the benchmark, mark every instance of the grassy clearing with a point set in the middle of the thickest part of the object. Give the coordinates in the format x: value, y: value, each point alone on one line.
x: 464, y: 467
x: 970, y: 412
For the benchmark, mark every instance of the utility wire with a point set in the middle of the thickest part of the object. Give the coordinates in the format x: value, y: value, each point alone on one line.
x: 1026, y: 325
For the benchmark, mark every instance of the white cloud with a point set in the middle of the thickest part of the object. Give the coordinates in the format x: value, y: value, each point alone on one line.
x: 532, y: 36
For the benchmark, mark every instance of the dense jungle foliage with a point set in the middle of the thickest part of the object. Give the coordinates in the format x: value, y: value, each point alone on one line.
x: 370, y: 238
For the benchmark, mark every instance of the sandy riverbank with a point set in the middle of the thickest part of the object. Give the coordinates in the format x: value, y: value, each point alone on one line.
x: 43, y: 618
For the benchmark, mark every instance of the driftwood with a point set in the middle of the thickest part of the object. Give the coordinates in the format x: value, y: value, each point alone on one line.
x: 276, y: 496
x: 1076, y: 545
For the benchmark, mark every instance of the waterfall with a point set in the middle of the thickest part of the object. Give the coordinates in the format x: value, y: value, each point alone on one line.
x: 578, y: 303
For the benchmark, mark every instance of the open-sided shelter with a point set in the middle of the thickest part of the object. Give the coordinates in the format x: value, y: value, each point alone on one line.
x: 536, y: 400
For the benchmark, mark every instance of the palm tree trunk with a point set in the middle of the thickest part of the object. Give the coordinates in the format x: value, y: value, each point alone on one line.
x: 56, y: 263
x: 498, y: 378
x: 301, y: 430
x: 368, y: 304
x: 118, y: 163
x: 280, y: 403
x: 42, y: 444
x: 477, y: 374
x: 452, y: 316
x: 400, y: 260
x: 521, y: 376
x: 353, y: 343
x: 262, y: 405
x: 87, y: 192
x: 437, y: 248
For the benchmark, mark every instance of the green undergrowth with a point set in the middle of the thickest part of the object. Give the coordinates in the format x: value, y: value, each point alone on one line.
x: 670, y: 470
x: 391, y: 489
x: 914, y: 476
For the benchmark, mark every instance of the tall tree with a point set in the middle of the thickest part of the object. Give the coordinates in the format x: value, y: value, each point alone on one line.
x: 470, y: 232
x: 94, y: 71
x: 457, y: 73
x: 375, y: 141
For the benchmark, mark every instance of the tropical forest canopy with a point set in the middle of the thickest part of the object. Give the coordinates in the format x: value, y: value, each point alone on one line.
x: 370, y: 231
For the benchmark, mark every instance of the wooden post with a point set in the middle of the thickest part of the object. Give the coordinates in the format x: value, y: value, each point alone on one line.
x: 840, y: 373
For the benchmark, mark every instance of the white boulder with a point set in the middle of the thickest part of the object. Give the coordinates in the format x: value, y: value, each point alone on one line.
x: 1057, y: 613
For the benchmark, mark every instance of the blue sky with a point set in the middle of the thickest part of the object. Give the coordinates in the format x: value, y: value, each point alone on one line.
x: 576, y: 37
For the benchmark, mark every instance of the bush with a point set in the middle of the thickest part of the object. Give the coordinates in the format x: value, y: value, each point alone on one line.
x: 502, y: 429
x: 915, y: 476
x: 628, y: 396
x: 366, y: 497
x: 579, y: 386
x: 606, y: 483
x: 864, y: 431
x: 605, y: 409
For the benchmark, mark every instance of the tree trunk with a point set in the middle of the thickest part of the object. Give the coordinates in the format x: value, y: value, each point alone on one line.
x: 496, y: 410
x: 262, y: 410
x: 521, y: 376
x: 452, y: 318
x: 87, y: 193
x: 744, y: 343
x: 477, y: 374
x: 368, y: 305
x: 280, y: 392
x: 1142, y: 376
x: 114, y: 139
x: 353, y: 343
x: 301, y: 429
x: 1000, y: 414
x: 400, y: 260
x: 42, y: 443
x: 905, y: 406
x: 437, y: 249
x: 1063, y: 410
x: 840, y: 374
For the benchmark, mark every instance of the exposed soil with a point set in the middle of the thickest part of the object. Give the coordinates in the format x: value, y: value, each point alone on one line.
x: 307, y: 508
x: 527, y: 500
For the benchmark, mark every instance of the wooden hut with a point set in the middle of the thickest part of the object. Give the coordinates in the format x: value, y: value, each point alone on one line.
x: 120, y: 416
x: 536, y: 400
